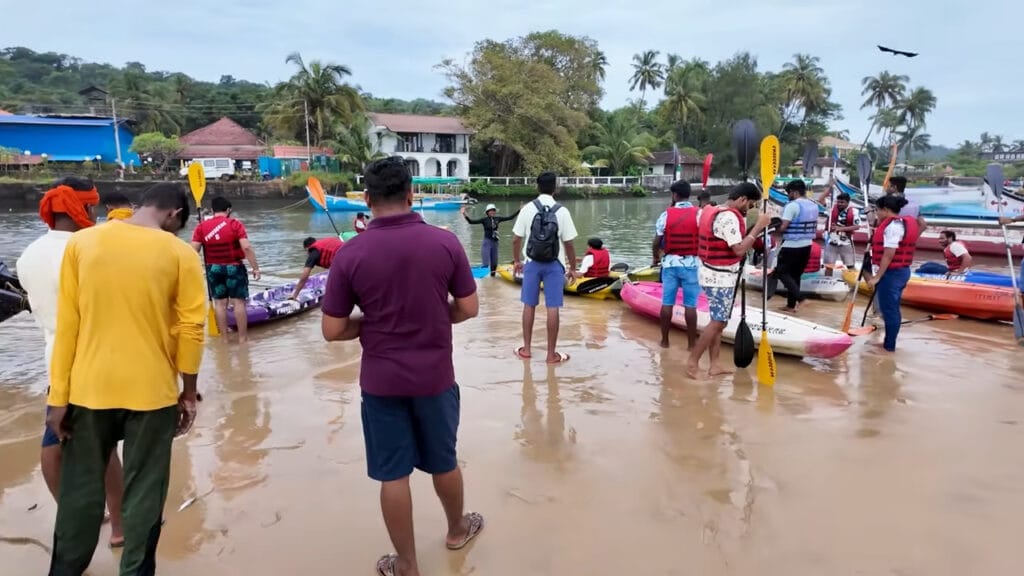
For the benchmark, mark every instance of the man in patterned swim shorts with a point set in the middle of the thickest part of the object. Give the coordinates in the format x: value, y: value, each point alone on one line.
x: 722, y: 242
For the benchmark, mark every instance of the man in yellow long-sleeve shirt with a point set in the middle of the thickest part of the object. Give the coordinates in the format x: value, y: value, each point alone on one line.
x: 130, y: 317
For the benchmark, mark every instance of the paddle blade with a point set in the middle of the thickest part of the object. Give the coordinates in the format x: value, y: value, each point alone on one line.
x: 211, y: 322
x: 994, y: 175
x: 707, y: 170
x: 316, y: 192
x: 892, y: 166
x: 197, y: 181
x: 864, y: 172
x: 944, y: 317
x: 769, y: 164
x: 743, y: 346
x: 744, y: 139
x: 810, y: 156
x: 765, y: 361
x: 848, y: 318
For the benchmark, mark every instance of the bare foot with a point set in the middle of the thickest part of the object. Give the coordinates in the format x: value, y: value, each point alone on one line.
x: 719, y: 371
x: 691, y: 371
x: 664, y: 343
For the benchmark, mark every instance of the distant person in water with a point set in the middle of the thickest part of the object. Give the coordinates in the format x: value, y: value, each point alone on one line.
x: 118, y: 206
x: 490, y: 222
x: 359, y: 224
x: 410, y: 399
x: 318, y: 253
x: 66, y: 208
x: 596, y: 263
x: 723, y: 242
x: 675, y: 235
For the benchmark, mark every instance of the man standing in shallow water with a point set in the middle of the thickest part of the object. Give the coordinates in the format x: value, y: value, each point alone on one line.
x: 410, y: 400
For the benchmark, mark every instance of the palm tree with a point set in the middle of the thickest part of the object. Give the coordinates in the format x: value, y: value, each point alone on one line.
x: 620, y: 145
x: 685, y: 98
x: 598, y: 62
x: 354, y: 145
x: 805, y: 86
x: 883, y: 90
x: 647, y: 73
x: 913, y: 110
x: 320, y: 87
x: 672, y: 61
x: 997, y: 144
x: 913, y: 138
x: 145, y: 103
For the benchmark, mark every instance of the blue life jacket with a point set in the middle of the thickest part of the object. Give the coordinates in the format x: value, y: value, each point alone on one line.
x: 805, y: 226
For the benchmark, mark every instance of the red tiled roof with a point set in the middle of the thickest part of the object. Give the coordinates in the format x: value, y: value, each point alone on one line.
x: 233, y: 152
x: 413, y: 123
x: 300, y: 152
x: 223, y: 132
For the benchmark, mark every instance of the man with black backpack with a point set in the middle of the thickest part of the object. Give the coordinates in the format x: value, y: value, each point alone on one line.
x: 550, y: 257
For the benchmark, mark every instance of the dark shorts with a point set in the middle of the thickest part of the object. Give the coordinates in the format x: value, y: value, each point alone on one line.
x: 549, y: 274
x: 403, y: 433
x: 227, y: 281
x: 49, y: 437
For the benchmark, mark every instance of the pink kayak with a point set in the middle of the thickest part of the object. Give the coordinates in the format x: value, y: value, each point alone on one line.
x: 790, y: 336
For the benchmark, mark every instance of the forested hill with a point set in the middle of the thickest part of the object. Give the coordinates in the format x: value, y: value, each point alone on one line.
x: 170, y: 102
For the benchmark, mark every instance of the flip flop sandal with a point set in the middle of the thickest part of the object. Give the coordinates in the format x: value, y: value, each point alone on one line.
x: 476, y: 525
x: 522, y: 353
x: 562, y: 358
x: 387, y: 564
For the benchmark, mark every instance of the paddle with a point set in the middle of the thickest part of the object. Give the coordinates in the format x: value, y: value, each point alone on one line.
x: 892, y: 166
x: 744, y: 137
x: 769, y: 169
x: 316, y: 193
x: 197, y: 184
x: 810, y: 157
x: 864, y: 173
x: 706, y: 172
x: 853, y: 298
x: 592, y: 285
x: 930, y: 317
x: 994, y: 175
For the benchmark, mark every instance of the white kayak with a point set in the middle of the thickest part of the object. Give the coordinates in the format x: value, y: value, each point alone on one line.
x: 811, y: 284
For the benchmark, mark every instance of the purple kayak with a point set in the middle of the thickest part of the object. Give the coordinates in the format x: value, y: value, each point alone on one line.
x: 273, y: 304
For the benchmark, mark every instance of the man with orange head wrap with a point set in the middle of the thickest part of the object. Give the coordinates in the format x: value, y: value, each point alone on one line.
x: 66, y: 208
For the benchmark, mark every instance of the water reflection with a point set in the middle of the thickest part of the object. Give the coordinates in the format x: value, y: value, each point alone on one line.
x: 543, y: 435
x: 244, y: 426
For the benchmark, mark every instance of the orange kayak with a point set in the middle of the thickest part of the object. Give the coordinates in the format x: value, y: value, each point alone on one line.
x: 980, y: 301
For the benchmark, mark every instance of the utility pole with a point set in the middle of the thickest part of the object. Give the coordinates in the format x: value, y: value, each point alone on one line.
x: 309, y: 153
x: 117, y: 137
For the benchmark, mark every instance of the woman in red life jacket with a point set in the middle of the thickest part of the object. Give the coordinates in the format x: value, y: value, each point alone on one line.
x: 892, y: 252
x: 318, y: 253
x: 958, y: 259
x: 596, y: 262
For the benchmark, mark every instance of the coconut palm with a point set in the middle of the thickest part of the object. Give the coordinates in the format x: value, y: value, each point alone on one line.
x: 620, y: 145
x: 598, y: 62
x: 805, y: 86
x: 914, y: 138
x: 323, y: 89
x: 685, y: 98
x: 883, y: 90
x: 913, y: 109
x: 354, y: 145
x: 672, y: 61
x: 1018, y: 146
x: 647, y: 73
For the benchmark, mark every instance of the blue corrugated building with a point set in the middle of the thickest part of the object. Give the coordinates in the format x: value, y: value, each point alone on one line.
x: 67, y: 139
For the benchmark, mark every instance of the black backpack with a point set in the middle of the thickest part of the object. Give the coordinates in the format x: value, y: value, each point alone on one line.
x: 543, y: 243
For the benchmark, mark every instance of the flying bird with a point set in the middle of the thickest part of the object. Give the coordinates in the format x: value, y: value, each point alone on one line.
x: 898, y: 52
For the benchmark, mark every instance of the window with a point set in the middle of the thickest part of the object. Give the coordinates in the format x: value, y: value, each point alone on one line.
x: 207, y: 163
x: 223, y: 163
x: 445, y: 143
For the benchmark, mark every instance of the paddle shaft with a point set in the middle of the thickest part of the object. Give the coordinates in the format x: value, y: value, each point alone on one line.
x: 211, y: 322
x: 333, y: 225
x: 1018, y: 312
x: 929, y: 318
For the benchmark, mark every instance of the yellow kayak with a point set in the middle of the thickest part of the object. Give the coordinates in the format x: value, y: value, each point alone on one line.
x: 599, y: 288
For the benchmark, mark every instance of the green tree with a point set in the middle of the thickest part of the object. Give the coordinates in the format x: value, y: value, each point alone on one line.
x: 913, y: 139
x: 355, y: 147
x: 622, y: 146
x: 685, y: 95
x: 912, y: 110
x: 157, y: 146
x: 647, y: 73
x: 319, y: 88
x: 804, y: 86
x: 882, y: 92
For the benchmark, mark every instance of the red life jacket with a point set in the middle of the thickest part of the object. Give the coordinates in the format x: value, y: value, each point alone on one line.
x: 359, y: 225
x: 220, y: 244
x: 835, y: 217
x: 952, y: 262
x: 905, y: 253
x: 814, y: 262
x: 712, y: 250
x: 327, y: 247
x: 681, y: 231
x: 601, y: 265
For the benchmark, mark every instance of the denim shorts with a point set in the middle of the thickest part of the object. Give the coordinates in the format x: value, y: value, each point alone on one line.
x: 679, y: 278
x: 551, y: 275
x: 406, y: 432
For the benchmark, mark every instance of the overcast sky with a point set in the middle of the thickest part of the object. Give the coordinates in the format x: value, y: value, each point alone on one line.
x: 969, y: 50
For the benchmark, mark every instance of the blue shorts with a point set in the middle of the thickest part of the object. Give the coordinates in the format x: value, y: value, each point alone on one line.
x: 679, y: 278
x: 49, y: 437
x: 404, y: 432
x: 720, y: 302
x: 552, y: 275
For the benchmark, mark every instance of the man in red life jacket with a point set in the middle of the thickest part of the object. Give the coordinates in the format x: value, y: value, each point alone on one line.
x: 958, y: 259
x: 814, y: 261
x: 318, y: 253
x: 838, y: 241
x: 675, y: 234
x: 225, y: 243
x: 359, y: 224
x: 596, y: 262
x: 892, y: 253
x: 722, y: 242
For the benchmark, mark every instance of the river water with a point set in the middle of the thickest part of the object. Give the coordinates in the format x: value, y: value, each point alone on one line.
x: 905, y: 464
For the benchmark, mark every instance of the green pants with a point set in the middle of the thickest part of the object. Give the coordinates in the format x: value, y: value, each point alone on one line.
x: 147, y: 464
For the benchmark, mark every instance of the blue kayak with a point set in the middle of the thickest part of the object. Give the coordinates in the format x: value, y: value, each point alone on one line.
x: 971, y: 277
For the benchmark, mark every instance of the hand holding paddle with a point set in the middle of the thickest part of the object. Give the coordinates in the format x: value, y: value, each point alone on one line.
x: 744, y: 137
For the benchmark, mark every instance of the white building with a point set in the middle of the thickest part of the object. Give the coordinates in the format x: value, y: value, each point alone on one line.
x: 431, y: 145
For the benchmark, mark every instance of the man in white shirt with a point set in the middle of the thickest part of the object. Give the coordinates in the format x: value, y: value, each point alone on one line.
x: 66, y: 208
x: 549, y: 257
x: 958, y: 259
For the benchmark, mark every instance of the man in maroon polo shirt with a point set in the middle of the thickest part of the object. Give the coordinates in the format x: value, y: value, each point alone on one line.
x: 400, y: 273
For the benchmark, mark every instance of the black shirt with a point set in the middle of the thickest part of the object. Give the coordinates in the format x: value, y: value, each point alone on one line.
x: 313, y: 260
x: 490, y: 224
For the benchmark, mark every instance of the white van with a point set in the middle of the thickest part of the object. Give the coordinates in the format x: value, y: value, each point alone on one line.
x: 214, y: 168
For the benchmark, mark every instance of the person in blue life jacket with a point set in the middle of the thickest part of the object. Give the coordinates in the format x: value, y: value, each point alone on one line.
x: 798, y: 228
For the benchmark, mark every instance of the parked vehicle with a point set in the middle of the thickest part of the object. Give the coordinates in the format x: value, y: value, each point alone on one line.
x: 215, y: 168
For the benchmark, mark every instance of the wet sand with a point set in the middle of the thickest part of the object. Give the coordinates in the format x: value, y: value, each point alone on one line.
x: 615, y: 463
